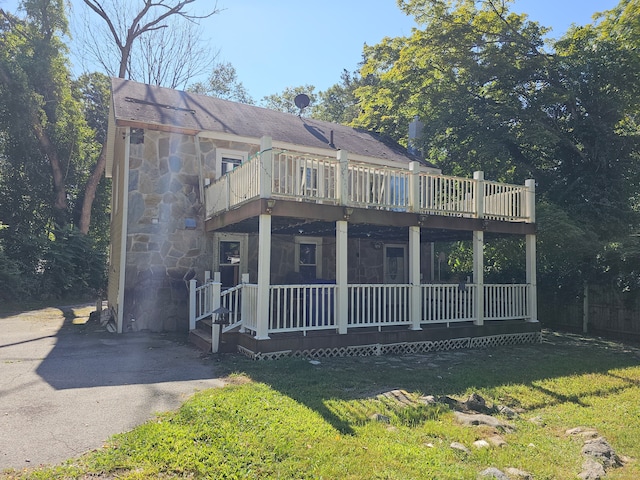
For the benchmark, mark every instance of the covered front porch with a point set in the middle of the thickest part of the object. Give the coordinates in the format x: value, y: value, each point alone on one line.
x: 340, y: 205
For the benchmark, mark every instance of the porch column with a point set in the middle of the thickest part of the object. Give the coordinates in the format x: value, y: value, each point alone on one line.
x: 266, y: 167
x: 530, y: 246
x: 478, y: 275
x: 342, y: 285
x: 216, y: 330
x: 479, y: 180
x: 414, y: 187
x: 342, y: 176
x: 532, y: 295
x: 264, y: 276
x: 414, y: 278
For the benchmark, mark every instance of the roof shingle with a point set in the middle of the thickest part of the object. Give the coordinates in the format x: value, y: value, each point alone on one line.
x: 149, y: 105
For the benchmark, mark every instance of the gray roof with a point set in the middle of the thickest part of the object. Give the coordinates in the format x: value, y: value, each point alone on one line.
x: 164, y: 108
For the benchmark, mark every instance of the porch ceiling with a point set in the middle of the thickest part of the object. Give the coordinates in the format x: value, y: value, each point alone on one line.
x: 314, y: 220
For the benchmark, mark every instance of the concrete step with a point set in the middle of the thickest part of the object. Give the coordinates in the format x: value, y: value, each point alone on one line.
x: 205, y: 325
x: 201, y: 339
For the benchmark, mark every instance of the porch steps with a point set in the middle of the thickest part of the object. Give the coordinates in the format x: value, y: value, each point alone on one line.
x: 201, y: 337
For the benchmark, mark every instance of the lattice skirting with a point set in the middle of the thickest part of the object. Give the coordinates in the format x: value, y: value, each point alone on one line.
x: 401, y: 348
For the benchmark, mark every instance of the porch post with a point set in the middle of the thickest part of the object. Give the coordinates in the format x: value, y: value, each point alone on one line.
x: 266, y: 167
x: 532, y: 295
x: 193, y: 284
x: 479, y: 178
x: 342, y: 286
x: 342, y: 175
x: 216, y: 330
x: 478, y: 275
x: 264, y: 276
x: 530, y: 242
x: 414, y: 187
x: 414, y: 277
x: 530, y: 201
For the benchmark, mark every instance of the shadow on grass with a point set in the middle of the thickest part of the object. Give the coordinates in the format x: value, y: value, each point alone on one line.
x: 452, y: 373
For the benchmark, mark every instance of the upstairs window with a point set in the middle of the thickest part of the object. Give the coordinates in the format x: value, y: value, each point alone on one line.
x: 227, y: 160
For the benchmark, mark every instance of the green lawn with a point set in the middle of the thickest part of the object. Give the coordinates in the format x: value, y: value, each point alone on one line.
x: 293, y: 419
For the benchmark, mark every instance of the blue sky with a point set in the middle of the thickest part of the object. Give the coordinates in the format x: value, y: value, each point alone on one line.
x: 274, y: 44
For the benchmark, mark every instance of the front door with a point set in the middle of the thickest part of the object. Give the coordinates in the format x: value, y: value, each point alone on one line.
x: 231, y: 258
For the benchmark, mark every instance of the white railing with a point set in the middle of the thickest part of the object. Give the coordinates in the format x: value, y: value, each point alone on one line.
x: 504, y: 202
x: 506, y: 302
x: 303, y: 177
x: 373, y: 305
x: 302, y: 308
x: 231, y: 299
x: 250, y: 307
x: 443, y: 195
x: 378, y: 187
x: 448, y: 303
x: 244, y: 182
x: 216, y: 197
x: 299, y: 308
x: 202, y: 300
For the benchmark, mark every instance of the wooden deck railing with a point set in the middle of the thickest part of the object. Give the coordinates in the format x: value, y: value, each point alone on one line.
x: 378, y: 305
x: 291, y: 175
x: 302, y: 308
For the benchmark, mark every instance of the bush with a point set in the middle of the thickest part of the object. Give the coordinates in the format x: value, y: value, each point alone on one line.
x: 72, y: 265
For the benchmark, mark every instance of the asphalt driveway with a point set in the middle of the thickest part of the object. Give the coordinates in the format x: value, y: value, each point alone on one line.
x: 67, y: 385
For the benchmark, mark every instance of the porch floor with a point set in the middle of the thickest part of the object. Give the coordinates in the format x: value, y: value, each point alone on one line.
x: 390, y: 340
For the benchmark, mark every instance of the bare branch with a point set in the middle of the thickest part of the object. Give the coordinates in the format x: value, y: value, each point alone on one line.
x: 126, y: 26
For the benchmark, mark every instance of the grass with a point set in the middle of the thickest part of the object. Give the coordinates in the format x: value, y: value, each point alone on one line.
x: 293, y: 419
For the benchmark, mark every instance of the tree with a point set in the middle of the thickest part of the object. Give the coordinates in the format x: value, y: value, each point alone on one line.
x: 470, y: 74
x: 93, y: 91
x: 168, y: 52
x: 36, y: 90
x: 151, y: 25
x: 223, y: 83
x: 494, y: 97
x: 47, y: 150
x: 285, y: 101
x: 339, y: 103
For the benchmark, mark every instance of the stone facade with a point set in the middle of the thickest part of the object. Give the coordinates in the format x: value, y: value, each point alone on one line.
x: 166, y: 242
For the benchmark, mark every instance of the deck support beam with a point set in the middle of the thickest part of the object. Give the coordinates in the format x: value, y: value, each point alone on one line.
x: 478, y: 275
x: 415, y: 311
x: 532, y: 297
x: 478, y: 250
x: 264, y: 276
x: 342, y: 292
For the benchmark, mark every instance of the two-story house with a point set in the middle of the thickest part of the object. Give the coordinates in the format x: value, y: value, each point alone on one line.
x: 316, y: 237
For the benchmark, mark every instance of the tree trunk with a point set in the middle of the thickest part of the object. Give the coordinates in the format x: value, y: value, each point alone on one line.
x: 90, y: 190
x: 60, y: 192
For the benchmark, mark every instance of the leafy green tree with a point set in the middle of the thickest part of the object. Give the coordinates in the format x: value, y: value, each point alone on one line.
x: 339, y: 103
x: 470, y: 74
x: 494, y: 97
x: 285, y: 101
x: 47, y: 148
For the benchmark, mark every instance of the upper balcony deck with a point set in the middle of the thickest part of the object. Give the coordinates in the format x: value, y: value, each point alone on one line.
x: 288, y: 175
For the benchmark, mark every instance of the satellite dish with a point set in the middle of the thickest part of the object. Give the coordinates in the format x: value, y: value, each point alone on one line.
x: 302, y: 101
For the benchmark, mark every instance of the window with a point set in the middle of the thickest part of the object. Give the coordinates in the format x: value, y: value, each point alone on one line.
x: 395, y: 264
x: 308, y: 261
x: 227, y: 160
